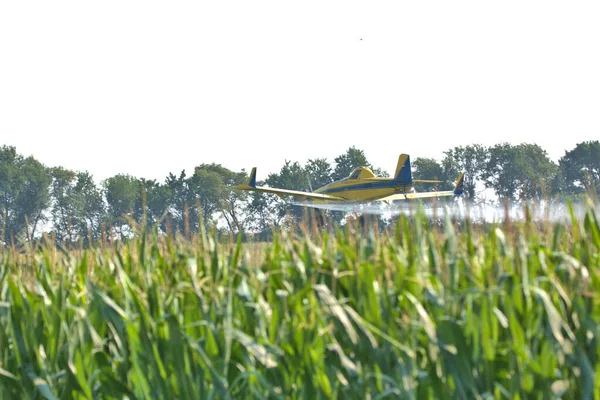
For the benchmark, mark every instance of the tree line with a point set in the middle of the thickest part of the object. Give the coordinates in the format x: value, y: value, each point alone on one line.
x: 72, y: 208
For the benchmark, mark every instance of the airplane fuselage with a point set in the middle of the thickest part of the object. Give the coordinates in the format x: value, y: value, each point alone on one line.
x: 365, y: 189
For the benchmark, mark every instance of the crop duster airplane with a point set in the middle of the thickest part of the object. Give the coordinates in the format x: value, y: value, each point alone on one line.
x: 361, y: 186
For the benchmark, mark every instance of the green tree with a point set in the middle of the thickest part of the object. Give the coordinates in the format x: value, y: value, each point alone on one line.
x: 64, y: 204
x: 380, y: 172
x: 179, y: 200
x: 519, y: 173
x: 208, y: 190
x: 11, y: 183
x: 351, y: 159
x: 231, y: 201
x: 291, y: 176
x: 24, y: 194
x: 580, y: 168
x: 347, y: 162
x: 91, y: 207
x: 472, y: 160
x: 122, y: 193
x: 319, y: 172
x: 77, y: 206
x: 262, y: 213
x: 34, y: 197
x: 430, y: 169
x: 153, y: 203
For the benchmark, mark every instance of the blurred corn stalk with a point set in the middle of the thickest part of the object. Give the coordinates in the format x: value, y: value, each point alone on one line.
x: 464, y: 311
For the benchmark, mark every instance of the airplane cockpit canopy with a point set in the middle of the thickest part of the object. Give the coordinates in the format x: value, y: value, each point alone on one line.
x: 361, y: 173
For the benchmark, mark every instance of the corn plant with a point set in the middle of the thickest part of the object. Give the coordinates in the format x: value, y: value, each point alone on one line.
x: 465, y: 311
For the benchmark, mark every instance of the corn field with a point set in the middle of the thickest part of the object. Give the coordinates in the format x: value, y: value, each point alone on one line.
x: 461, y: 311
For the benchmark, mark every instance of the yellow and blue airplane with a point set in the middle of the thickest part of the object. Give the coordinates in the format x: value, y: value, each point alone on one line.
x: 361, y: 186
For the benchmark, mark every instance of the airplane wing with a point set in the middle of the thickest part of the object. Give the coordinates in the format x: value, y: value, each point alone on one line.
x: 458, y: 190
x: 296, y: 193
x: 421, y: 195
x: 251, y: 185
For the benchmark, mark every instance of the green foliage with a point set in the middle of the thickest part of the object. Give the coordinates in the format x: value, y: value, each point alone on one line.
x: 122, y: 193
x: 345, y: 163
x: 92, y: 211
x: 430, y: 169
x: 207, y: 188
x: 232, y: 200
x: 292, y: 176
x: 465, y: 312
x: 319, y: 172
x: 472, y: 160
x: 519, y: 173
x: 180, y: 200
x: 208, y: 193
x: 263, y: 212
x: 78, y: 208
x: 580, y: 168
x: 153, y: 203
x: 24, y: 195
x: 351, y: 159
x: 64, y: 207
x: 34, y: 196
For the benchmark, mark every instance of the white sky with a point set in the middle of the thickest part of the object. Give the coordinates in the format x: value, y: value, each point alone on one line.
x: 151, y: 87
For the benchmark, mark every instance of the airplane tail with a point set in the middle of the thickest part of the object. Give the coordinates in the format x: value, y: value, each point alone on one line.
x: 403, y: 172
x: 459, y: 187
x: 251, y: 182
